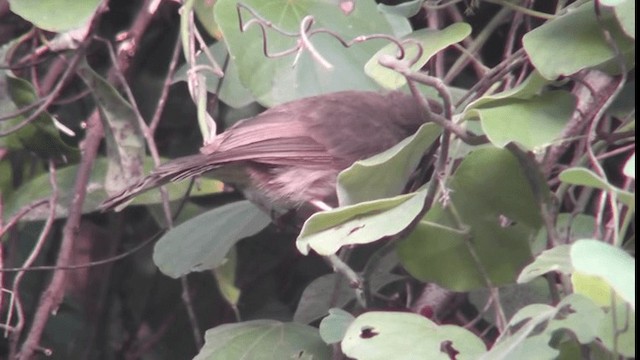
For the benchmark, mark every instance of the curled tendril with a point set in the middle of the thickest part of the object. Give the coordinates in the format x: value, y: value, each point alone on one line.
x: 306, y: 32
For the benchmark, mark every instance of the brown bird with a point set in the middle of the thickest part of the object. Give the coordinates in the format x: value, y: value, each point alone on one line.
x: 291, y: 154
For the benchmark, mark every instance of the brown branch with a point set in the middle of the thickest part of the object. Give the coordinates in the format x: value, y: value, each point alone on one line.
x: 52, y: 296
x: 592, y: 90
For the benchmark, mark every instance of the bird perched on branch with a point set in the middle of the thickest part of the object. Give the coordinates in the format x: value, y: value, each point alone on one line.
x: 291, y: 154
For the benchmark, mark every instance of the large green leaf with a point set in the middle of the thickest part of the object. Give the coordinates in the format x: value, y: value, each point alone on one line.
x: 333, y: 327
x: 263, y: 340
x: 554, y: 259
x: 393, y: 335
x: 327, y: 231
x: 55, y: 15
x: 586, y: 177
x: 125, y: 144
x: 630, y: 167
x: 276, y: 80
x: 490, y: 211
x: 204, y: 12
x: 609, y: 263
x: 203, y: 242
x: 385, y: 174
x: 626, y: 14
x: 323, y: 293
x: 532, y: 328
x: 532, y: 123
x: 603, y: 273
x: 524, y: 114
x: 625, y: 11
x: 575, y: 41
x: 431, y: 42
x: 592, y: 258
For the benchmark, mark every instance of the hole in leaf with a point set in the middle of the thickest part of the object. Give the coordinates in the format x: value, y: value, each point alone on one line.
x: 564, y: 312
x: 427, y: 311
x: 447, y: 348
x: 367, y: 332
x: 355, y: 229
x: 505, y: 221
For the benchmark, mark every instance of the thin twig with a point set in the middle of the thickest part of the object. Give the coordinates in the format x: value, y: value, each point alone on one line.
x: 162, y: 100
x: 23, y: 211
x: 188, y: 305
x: 35, y: 252
x: 48, y: 100
x: 90, y: 264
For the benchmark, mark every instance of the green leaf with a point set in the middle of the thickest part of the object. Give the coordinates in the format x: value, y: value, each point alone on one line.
x: 530, y: 87
x: 488, y: 206
x: 125, y: 144
x: 512, y: 297
x: 536, y: 324
x: 525, y: 114
x: 569, y: 228
x: 625, y: 11
x: 532, y: 122
x: 41, y: 135
x: 432, y: 41
x: 619, y: 334
x: 327, y: 231
x: 393, y: 335
x: 386, y: 174
x: 575, y: 41
x: 202, y: 243
x: 334, y: 327
x: 405, y: 9
x: 333, y: 290
x: 630, y: 167
x: 586, y: 177
x: 589, y: 258
x: 276, y: 80
x: 55, y: 15
x: 397, y: 16
x: 610, y: 263
x: 263, y: 340
x: 322, y: 294
x: 226, y: 277
x: 204, y: 12
x: 593, y: 287
x: 554, y: 259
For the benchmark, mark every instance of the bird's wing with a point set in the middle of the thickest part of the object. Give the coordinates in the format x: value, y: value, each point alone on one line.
x: 335, y: 129
x: 276, y: 139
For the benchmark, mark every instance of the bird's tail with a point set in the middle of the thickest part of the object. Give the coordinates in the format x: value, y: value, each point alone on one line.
x: 175, y: 170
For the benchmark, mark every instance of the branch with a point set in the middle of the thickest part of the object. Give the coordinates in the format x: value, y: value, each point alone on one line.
x: 52, y: 297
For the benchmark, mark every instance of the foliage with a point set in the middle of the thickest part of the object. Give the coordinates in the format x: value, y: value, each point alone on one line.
x: 520, y: 245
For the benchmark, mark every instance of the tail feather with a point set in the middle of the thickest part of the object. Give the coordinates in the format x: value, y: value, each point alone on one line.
x: 176, y: 170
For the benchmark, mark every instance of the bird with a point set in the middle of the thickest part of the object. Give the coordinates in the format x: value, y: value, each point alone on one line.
x: 292, y: 153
